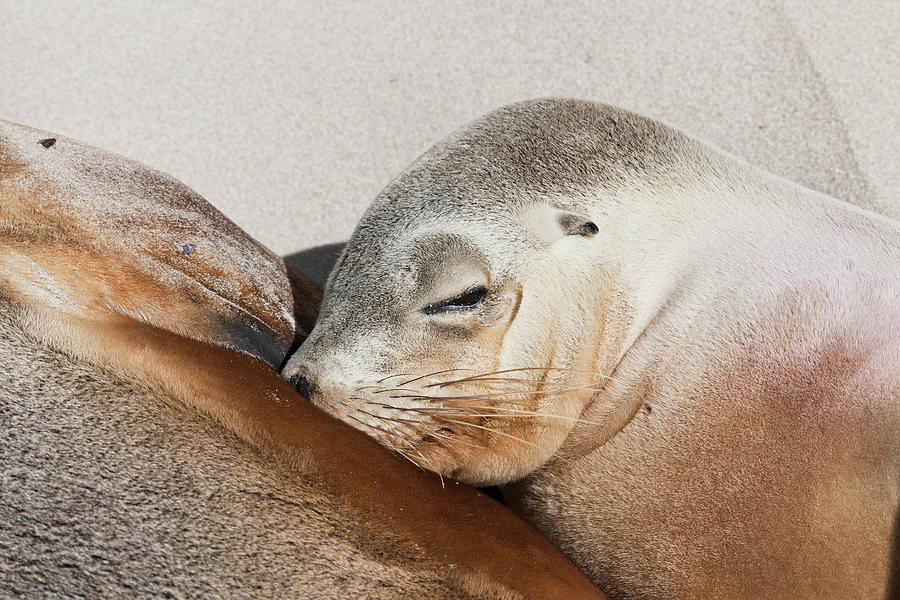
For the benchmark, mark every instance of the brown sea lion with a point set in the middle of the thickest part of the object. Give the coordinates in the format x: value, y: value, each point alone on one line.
x: 130, y: 310
x: 687, y: 370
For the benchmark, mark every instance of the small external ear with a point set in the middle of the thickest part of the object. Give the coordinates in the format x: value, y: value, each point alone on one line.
x: 573, y: 224
x: 551, y: 224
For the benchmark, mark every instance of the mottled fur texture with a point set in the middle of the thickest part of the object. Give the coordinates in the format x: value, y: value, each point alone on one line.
x: 686, y: 369
x: 108, y: 490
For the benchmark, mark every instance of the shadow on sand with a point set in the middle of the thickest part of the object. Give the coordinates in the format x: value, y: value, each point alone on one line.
x: 316, y: 263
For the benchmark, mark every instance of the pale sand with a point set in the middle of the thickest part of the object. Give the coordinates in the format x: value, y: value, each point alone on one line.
x: 290, y: 117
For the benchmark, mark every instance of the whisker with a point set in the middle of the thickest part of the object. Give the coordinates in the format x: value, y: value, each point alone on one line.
x: 415, y: 397
x: 395, y: 389
x: 417, y: 376
x: 391, y: 445
x: 490, y: 374
x: 479, y: 378
x: 417, y: 424
x: 435, y: 433
x: 490, y: 395
x: 401, y: 451
x: 395, y: 434
x: 412, y: 408
x: 433, y: 470
x: 456, y: 440
x: 488, y: 429
x: 380, y: 389
x: 526, y: 383
x: 424, y: 408
x: 515, y: 413
x: 432, y: 375
x: 501, y: 380
x: 410, y: 459
x: 383, y: 379
x: 369, y: 387
x: 414, y: 424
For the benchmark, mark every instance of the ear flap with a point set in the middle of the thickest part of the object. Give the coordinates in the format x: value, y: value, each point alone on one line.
x: 551, y: 224
x: 573, y: 224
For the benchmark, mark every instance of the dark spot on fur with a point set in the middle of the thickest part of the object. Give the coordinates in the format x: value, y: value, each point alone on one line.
x: 303, y: 384
x: 188, y: 248
x: 647, y: 409
x: 47, y: 142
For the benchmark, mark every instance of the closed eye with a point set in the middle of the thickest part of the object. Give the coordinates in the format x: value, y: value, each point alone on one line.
x: 468, y: 300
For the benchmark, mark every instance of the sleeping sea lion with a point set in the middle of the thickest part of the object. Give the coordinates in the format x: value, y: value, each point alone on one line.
x: 685, y: 370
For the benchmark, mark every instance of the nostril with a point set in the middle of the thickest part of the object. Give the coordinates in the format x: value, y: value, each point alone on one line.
x: 303, y: 384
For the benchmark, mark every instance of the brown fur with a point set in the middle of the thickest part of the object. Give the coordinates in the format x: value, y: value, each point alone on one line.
x: 107, y: 325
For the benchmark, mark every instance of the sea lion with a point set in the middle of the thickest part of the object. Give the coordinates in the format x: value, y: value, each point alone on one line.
x: 687, y: 370
x: 123, y: 296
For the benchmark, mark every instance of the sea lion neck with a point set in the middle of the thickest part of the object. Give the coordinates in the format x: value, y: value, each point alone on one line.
x: 649, y: 271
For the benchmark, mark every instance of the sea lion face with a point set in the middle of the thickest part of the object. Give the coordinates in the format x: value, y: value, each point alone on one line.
x: 459, y: 342
x: 465, y: 321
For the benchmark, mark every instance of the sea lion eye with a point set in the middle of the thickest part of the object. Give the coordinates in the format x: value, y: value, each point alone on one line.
x: 468, y: 300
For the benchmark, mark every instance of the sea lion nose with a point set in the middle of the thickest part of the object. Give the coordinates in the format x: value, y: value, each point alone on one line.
x: 303, y: 384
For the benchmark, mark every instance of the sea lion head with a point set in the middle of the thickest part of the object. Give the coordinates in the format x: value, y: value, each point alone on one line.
x: 90, y: 236
x: 459, y: 326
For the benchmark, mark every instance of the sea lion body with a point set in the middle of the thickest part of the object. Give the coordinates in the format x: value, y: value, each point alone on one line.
x: 686, y: 369
x: 762, y: 459
x: 131, y: 311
